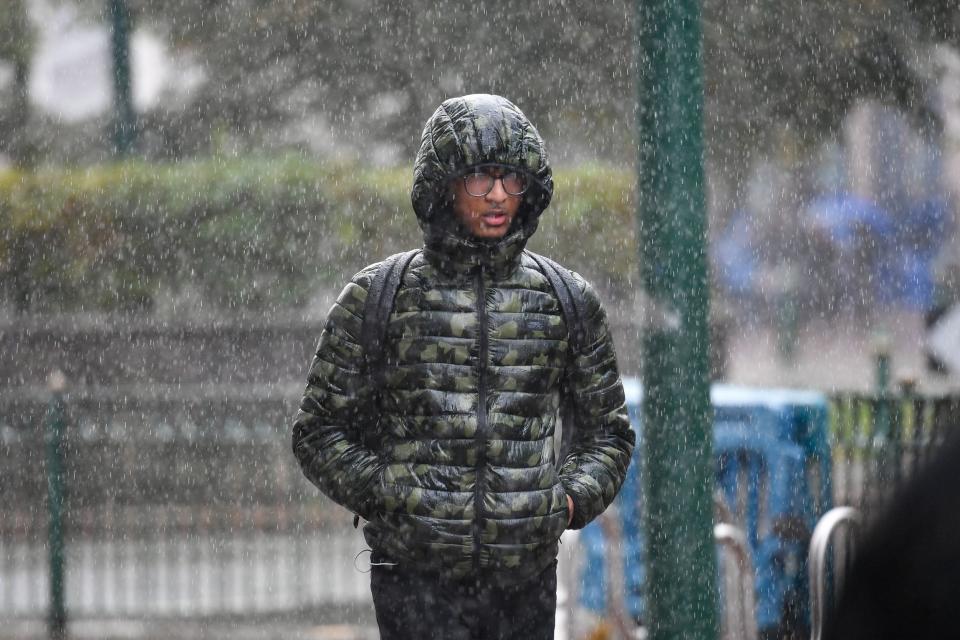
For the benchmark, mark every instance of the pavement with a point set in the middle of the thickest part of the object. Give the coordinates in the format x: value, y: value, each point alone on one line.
x: 239, y: 629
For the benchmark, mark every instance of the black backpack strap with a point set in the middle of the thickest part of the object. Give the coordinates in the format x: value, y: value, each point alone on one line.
x: 377, y: 309
x: 572, y: 303
x: 573, y: 307
x: 373, y: 330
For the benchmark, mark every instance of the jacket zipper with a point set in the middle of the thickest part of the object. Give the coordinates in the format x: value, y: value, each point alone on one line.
x: 480, y: 437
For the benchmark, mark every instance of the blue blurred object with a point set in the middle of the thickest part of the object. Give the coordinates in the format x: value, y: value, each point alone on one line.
x: 906, y: 275
x: 628, y: 507
x: 843, y: 216
x: 857, y: 246
x: 772, y: 457
x: 737, y: 255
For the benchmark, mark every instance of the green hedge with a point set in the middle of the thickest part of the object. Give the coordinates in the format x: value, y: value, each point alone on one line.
x: 254, y: 233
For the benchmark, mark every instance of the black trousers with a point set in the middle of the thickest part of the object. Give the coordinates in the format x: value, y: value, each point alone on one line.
x: 422, y: 605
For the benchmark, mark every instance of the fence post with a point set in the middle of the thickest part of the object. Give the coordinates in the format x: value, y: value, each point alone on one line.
x: 787, y: 316
x: 880, y: 447
x: 53, y: 435
x: 677, y: 416
x: 881, y: 354
x: 124, y: 130
x: 909, y: 428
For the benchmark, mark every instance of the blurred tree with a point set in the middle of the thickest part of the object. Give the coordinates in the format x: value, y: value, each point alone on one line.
x: 939, y: 19
x: 781, y: 75
x: 274, y: 71
x: 364, y: 74
x: 16, y: 46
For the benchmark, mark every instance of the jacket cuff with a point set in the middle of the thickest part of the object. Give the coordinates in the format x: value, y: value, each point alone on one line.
x: 581, y: 517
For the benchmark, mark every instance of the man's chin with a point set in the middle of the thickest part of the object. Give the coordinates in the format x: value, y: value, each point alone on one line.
x: 493, y: 233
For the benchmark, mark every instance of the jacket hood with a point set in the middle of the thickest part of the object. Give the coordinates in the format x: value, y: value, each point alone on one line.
x: 464, y: 132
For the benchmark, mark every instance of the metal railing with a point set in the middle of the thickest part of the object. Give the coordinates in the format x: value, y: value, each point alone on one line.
x: 188, y: 501
x: 739, y: 616
x: 185, y: 504
x: 819, y: 566
x: 879, y: 441
x: 624, y: 625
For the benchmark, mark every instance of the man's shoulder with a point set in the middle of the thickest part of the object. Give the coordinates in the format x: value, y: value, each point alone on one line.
x: 353, y: 297
x: 363, y: 282
x: 365, y: 276
x: 582, y: 284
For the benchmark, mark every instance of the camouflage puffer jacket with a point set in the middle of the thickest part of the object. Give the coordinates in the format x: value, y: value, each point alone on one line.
x: 459, y: 472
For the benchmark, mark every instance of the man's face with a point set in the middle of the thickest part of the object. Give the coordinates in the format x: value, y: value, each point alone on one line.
x: 487, y: 216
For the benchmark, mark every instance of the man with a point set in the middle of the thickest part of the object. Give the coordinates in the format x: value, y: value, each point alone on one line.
x: 456, y: 474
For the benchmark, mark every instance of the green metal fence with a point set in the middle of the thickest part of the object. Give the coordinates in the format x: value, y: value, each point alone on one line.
x: 879, y: 441
x: 188, y: 502
x: 174, y: 503
x: 163, y: 504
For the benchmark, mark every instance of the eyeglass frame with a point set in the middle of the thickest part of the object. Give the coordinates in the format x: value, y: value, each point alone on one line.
x: 508, y: 169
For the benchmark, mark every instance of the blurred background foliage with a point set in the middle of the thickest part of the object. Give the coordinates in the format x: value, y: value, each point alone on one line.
x: 270, y: 156
x: 257, y: 233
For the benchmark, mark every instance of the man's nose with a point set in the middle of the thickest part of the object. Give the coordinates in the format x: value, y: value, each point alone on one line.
x: 497, y: 192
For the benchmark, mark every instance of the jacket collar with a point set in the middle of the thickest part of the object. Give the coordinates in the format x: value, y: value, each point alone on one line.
x: 452, y: 253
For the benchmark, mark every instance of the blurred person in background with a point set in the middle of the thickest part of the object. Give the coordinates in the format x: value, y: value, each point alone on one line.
x: 454, y: 468
x: 903, y: 582
x: 755, y: 254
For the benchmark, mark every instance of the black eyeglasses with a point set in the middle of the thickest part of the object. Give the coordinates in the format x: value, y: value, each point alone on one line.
x: 479, y: 182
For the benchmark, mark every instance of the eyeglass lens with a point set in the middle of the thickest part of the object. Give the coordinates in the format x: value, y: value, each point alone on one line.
x: 480, y: 183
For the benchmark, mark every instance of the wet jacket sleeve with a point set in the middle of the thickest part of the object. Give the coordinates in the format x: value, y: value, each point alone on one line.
x: 327, y: 430
x: 596, y: 464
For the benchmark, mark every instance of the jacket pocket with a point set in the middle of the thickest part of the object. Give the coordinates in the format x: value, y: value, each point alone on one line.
x: 375, y: 499
x: 563, y: 515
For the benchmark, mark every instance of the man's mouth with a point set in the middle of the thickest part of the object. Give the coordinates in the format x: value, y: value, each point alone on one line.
x: 495, y: 218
